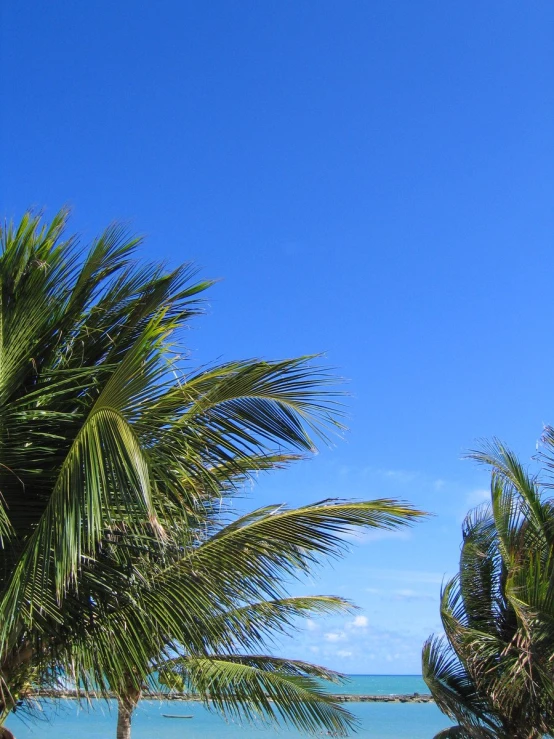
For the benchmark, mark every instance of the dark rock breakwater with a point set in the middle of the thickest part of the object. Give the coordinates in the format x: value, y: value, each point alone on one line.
x: 405, y: 698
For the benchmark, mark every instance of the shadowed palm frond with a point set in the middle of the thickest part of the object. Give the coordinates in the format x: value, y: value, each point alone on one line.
x: 460, y: 732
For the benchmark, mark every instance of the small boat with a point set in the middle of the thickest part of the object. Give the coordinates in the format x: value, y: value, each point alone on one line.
x: 174, y: 715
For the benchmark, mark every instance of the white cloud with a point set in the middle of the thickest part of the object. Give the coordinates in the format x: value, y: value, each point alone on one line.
x: 424, y: 578
x: 382, y: 534
x: 363, y: 536
x: 344, y: 653
x: 311, y: 625
x: 408, y: 576
x: 476, y: 497
x: 360, y: 622
x: 409, y: 594
x: 473, y: 499
x: 334, y: 636
x: 401, y: 476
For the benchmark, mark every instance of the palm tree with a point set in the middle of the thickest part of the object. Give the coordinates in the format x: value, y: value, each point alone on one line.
x: 493, y: 671
x: 115, y: 459
x: 233, y: 583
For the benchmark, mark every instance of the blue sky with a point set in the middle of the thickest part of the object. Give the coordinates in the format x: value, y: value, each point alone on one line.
x: 371, y: 180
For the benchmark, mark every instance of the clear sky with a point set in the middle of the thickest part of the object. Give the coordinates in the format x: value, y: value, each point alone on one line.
x: 372, y: 180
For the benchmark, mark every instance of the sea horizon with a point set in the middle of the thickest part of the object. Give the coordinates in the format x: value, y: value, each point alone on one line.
x: 65, y: 719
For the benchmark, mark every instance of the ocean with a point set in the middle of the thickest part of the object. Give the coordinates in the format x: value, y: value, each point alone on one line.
x: 66, y: 720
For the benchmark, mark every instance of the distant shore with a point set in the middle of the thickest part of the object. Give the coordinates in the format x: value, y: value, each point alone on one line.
x: 401, y: 698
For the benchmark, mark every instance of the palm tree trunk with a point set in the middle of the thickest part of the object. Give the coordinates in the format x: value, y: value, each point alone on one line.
x: 124, y: 714
x: 126, y: 704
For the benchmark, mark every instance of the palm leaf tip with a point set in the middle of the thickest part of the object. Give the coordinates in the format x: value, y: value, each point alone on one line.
x: 267, y: 689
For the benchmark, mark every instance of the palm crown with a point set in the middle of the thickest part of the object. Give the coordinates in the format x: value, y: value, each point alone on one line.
x: 492, y: 673
x: 116, y: 460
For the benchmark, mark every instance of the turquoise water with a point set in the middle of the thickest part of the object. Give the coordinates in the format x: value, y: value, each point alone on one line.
x: 381, y: 685
x: 377, y: 720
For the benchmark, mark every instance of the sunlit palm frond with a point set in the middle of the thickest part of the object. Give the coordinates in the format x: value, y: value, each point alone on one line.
x: 253, y: 625
x: 116, y: 463
x: 264, y: 688
x: 256, y: 551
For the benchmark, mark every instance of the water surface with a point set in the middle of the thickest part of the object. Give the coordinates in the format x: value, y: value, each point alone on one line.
x: 377, y: 720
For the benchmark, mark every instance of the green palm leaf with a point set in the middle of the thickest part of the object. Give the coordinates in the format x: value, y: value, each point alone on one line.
x: 266, y: 689
x: 493, y: 674
x: 117, y: 462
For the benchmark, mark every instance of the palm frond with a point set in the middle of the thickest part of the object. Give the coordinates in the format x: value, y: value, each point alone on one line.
x: 265, y: 689
x: 252, y: 626
x: 257, y: 550
x: 117, y: 462
x: 493, y: 673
